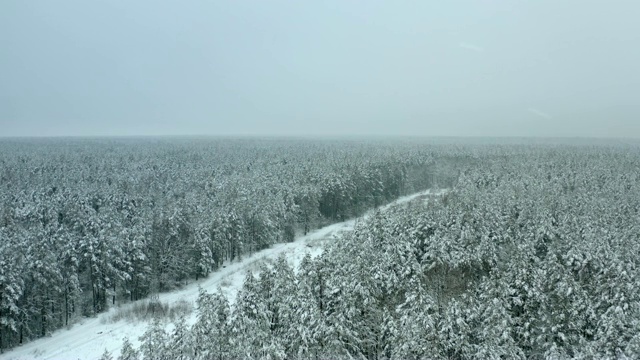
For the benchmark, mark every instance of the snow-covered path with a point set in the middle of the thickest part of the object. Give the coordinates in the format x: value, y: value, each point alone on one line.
x: 89, y: 338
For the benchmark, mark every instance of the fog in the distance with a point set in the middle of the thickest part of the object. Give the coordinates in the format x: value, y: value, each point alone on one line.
x: 425, y: 68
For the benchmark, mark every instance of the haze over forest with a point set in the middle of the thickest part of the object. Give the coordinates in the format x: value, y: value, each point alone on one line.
x: 461, y: 68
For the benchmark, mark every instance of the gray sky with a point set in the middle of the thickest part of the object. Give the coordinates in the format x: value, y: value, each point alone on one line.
x: 330, y: 67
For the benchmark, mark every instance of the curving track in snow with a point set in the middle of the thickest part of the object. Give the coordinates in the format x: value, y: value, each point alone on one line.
x: 89, y: 338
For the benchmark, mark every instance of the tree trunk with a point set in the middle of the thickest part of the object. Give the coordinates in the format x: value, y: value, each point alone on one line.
x: 1, y: 347
x: 43, y: 319
x: 93, y: 295
x: 66, y: 306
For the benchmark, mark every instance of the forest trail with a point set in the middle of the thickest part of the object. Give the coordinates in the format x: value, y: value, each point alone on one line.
x: 89, y: 338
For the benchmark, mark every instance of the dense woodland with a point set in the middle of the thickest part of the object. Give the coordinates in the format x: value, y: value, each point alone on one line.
x: 533, y: 254
x: 89, y: 223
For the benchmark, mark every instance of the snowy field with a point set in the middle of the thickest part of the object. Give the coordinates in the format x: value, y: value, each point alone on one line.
x: 89, y: 338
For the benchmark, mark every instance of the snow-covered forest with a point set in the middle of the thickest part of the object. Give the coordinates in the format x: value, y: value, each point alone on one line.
x: 89, y: 223
x: 533, y: 253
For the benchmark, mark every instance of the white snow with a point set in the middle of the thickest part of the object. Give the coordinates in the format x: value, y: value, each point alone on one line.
x: 89, y: 338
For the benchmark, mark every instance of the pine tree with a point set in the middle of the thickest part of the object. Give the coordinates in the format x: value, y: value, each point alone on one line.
x: 154, y: 342
x: 202, y: 257
x: 209, y: 335
x: 11, y: 288
x: 128, y: 352
x: 179, y: 345
x: 106, y: 355
x: 249, y: 324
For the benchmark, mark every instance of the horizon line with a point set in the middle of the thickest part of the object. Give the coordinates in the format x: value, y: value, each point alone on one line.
x: 318, y: 136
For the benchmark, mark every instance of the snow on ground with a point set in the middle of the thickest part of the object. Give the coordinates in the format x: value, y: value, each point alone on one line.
x: 90, y: 337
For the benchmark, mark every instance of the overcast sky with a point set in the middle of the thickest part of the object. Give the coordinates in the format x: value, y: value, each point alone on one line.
x: 330, y: 67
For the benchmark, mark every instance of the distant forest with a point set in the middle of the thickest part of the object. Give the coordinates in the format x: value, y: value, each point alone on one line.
x: 89, y: 223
